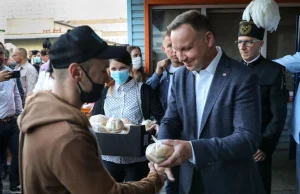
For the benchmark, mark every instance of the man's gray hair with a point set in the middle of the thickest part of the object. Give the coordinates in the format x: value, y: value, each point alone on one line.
x: 22, y: 51
x: 198, y: 21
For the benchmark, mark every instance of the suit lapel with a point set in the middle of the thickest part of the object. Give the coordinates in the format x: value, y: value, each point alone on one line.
x: 218, y: 82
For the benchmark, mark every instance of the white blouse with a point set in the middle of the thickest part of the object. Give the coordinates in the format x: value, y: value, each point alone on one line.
x: 124, y: 101
x: 45, y: 82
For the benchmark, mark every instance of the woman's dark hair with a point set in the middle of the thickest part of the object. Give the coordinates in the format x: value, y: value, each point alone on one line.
x: 125, y: 59
x: 131, y: 48
x: 46, y: 44
x: 50, y: 68
x: 44, y: 52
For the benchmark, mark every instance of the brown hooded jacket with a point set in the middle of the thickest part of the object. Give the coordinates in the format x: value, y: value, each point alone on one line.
x: 59, y: 155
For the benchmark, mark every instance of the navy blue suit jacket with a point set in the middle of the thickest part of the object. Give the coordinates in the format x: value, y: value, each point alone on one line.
x: 230, y: 129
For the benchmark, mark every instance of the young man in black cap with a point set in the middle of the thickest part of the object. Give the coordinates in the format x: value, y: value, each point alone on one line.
x: 273, y: 95
x: 58, y: 153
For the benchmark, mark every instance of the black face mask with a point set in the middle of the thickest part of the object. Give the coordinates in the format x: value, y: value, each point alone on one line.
x: 92, y: 96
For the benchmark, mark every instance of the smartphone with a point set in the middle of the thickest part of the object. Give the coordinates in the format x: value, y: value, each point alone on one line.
x: 16, y: 74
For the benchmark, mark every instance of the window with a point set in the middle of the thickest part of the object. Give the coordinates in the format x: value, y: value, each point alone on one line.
x: 225, y: 23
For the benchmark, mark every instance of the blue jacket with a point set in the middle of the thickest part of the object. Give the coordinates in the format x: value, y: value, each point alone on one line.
x: 292, y: 64
x: 161, y: 85
x: 230, y: 129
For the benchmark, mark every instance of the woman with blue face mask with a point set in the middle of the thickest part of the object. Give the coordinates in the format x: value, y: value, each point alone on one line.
x: 37, y: 61
x: 125, y: 98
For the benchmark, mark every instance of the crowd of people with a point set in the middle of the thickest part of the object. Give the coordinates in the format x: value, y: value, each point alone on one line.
x: 222, y: 117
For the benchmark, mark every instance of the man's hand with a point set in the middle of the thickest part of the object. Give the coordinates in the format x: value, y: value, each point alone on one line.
x: 259, y: 156
x: 182, y: 152
x: 161, y: 65
x: 154, y: 126
x: 5, y: 75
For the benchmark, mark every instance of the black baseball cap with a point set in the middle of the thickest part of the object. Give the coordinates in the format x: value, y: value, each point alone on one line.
x: 79, y: 45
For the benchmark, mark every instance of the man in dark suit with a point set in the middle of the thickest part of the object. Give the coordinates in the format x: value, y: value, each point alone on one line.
x: 213, y: 114
x: 273, y: 96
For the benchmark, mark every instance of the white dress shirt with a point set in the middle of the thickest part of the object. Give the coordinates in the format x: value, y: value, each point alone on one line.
x: 202, y: 85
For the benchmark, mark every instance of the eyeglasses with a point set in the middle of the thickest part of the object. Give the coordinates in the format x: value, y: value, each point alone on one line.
x: 247, y: 43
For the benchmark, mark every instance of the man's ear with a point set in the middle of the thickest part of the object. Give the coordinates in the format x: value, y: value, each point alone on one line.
x: 163, y: 49
x: 75, y: 72
x: 261, y: 43
x: 209, y: 38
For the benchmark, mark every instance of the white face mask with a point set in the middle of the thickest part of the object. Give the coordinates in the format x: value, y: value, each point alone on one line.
x: 137, y: 63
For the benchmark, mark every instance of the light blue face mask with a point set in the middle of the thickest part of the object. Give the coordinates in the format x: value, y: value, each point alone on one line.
x: 37, y: 60
x: 120, y: 77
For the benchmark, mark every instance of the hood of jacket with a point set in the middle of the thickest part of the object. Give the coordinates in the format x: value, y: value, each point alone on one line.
x: 44, y: 108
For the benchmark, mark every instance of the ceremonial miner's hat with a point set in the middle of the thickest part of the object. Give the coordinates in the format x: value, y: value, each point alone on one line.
x: 250, y: 29
x: 259, y: 15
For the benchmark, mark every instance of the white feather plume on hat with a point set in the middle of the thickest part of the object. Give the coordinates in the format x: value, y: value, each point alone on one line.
x: 264, y: 13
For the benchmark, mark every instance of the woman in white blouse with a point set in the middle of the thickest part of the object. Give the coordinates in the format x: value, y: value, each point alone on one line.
x: 45, y: 80
x: 126, y: 98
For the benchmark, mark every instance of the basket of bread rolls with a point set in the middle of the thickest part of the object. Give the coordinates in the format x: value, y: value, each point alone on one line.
x: 104, y: 124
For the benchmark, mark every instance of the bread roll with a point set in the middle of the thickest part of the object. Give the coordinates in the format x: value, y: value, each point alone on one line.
x: 99, y: 119
x: 158, y: 152
x: 126, y: 121
x: 148, y: 123
x: 114, y: 125
x: 102, y: 129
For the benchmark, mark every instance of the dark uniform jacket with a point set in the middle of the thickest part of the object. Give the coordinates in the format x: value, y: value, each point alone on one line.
x: 273, y: 101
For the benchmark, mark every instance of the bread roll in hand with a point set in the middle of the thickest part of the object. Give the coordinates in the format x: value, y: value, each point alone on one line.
x: 158, y: 152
